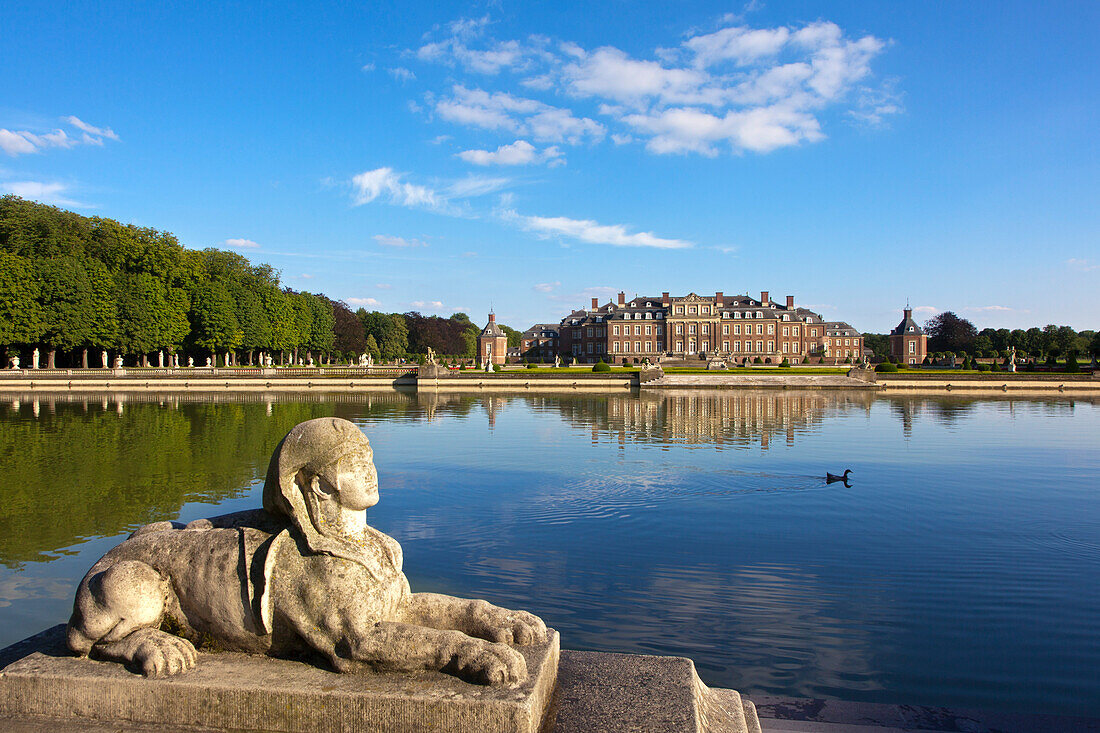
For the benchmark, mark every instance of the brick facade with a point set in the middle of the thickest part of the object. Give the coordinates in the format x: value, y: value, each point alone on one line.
x: 737, y: 328
x: 908, y: 343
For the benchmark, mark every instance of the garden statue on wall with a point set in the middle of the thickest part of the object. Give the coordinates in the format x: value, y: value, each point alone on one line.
x: 303, y: 575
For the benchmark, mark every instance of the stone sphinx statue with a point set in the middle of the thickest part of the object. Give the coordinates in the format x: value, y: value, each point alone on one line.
x: 306, y: 575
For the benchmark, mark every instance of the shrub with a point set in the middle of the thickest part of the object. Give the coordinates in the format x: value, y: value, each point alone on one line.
x: 785, y: 363
x: 498, y: 368
x: 758, y: 360
x: 821, y: 360
x: 625, y: 361
x: 847, y: 360
x: 1071, y: 364
x: 994, y: 367
x: 886, y: 367
x: 901, y: 365
x: 531, y: 366
x: 983, y: 367
x: 600, y: 366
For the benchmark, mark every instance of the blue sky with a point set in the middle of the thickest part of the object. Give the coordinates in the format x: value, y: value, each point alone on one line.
x: 529, y: 156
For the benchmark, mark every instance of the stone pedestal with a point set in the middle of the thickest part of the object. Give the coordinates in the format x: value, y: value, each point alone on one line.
x: 46, y: 686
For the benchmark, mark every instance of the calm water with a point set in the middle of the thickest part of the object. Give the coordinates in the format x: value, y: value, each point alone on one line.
x: 960, y: 568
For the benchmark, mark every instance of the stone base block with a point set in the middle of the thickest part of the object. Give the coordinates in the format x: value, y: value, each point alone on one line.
x: 47, y: 686
x: 613, y: 693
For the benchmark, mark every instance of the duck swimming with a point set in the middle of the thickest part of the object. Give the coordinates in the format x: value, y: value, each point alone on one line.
x: 832, y: 478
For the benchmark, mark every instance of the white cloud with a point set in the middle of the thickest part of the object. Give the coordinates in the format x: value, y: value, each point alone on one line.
x: 738, y: 88
x: 383, y: 286
x: 503, y: 112
x: 586, y: 230
x: 388, y: 241
x: 306, y: 276
x: 47, y: 193
x: 469, y: 254
x: 427, y: 304
x: 738, y: 44
x: 988, y: 308
x: 241, y: 244
x: 926, y: 309
x: 22, y: 142
x: 473, y: 186
x: 384, y: 182
x: 402, y: 74
x: 90, y: 129
x: 362, y: 301
x: 367, y: 67
x: 547, y: 287
x: 520, y: 152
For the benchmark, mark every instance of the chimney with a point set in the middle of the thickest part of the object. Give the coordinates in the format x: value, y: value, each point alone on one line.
x: 595, y: 303
x: 718, y: 298
x: 763, y: 297
x: 622, y: 298
x: 492, y: 318
x: 790, y: 302
x: 664, y: 299
x: 908, y: 313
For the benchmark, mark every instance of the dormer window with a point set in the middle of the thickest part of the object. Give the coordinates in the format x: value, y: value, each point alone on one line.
x: 910, y: 329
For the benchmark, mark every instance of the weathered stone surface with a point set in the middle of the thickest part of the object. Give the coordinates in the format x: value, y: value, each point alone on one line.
x: 303, y: 576
x: 49, y: 689
x: 635, y: 692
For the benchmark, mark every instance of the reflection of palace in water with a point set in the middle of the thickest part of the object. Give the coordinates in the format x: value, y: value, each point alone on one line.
x: 710, y: 418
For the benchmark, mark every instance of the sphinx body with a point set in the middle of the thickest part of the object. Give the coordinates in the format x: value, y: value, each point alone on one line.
x: 304, y: 576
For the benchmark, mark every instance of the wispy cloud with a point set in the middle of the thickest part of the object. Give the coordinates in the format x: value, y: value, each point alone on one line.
x: 385, y: 184
x: 520, y: 152
x: 988, y: 309
x: 241, y: 244
x: 387, y: 241
x: 362, y: 301
x: 586, y: 230
x: 1082, y: 265
x: 547, y: 287
x: 436, y: 304
x: 47, y: 193
x: 383, y: 286
x: 306, y: 276
x: 504, y: 112
x: 22, y: 142
x: 402, y: 74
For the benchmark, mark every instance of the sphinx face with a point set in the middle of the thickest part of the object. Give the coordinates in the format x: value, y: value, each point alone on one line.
x: 356, y: 481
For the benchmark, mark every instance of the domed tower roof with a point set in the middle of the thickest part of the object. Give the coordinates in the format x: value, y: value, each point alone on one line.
x: 492, y: 329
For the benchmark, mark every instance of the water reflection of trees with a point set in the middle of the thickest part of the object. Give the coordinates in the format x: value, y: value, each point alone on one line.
x: 76, y: 468
x: 951, y: 410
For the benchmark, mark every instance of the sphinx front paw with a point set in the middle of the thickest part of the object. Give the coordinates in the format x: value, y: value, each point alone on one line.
x: 509, y: 627
x: 159, y: 654
x: 487, y: 664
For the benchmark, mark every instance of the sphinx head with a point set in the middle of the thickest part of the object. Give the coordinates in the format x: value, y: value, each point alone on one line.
x: 322, y: 478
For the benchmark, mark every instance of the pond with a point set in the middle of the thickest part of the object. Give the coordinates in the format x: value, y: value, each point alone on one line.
x: 960, y: 567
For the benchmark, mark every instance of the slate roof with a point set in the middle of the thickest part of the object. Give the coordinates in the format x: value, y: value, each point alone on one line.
x: 905, y: 325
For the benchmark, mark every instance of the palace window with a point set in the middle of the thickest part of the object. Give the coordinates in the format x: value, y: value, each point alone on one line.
x: 813, y: 331
x: 759, y: 328
x: 680, y: 309
x: 912, y: 347
x: 786, y: 348
x: 759, y: 314
x: 660, y: 330
x: 691, y: 310
x: 786, y: 331
x: 705, y: 345
x: 737, y: 330
x: 679, y: 345
x: 691, y: 328
x: 648, y: 330
x: 771, y: 328
x: 737, y: 314
x: 794, y: 330
x: 614, y: 346
x: 660, y: 315
x: 615, y: 330
x: 725, y: 346
x: 771, y: 347
x: 649, y: 346
x: 725, y: 330
x: 590, y: 331
x: 725, y: 314
x: 679, y: 328
x: 637, y: 346
x: 637, y: 330
x: 590, y: 348
x: 705, y: 309
x: 759, y: 345
x: 706, y: 328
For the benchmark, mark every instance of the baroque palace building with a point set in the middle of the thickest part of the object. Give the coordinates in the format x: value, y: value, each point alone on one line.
x: 736, y: 328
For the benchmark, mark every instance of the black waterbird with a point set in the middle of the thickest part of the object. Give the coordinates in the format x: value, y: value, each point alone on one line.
x: 832, y: 478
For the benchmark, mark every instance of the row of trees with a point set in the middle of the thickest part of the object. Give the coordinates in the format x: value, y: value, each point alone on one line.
x: 948, y: 332
x: 71, y: 284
